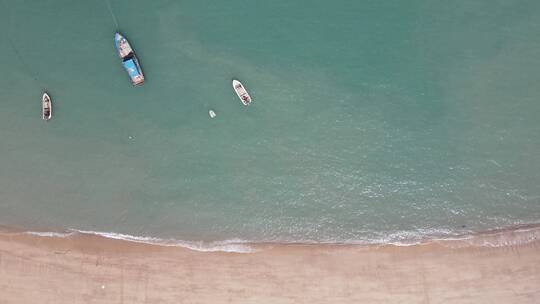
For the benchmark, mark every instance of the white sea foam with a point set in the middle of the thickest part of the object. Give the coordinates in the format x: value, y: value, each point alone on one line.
x: 238, y: 246
x: 50, y: 234
x: 504, y: 238
x: 510, y: 237
x: 233, y: 246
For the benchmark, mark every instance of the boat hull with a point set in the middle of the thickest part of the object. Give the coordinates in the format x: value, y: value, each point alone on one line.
x: 46, y: 107
x: 130, y: 61
x: 241, y: 92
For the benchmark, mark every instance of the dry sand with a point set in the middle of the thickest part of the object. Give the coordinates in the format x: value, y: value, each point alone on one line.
x: 92, y: 269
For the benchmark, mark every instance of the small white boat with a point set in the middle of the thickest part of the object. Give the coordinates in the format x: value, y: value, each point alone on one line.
x: 46, y: 107
x: 241, y: 92
x: 212, y: 114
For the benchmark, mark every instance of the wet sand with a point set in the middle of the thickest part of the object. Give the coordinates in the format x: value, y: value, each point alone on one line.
x: 93, y: 269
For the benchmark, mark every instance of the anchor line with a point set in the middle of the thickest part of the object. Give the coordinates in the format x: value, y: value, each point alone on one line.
x: 25, y: 66
x: 109, y: 7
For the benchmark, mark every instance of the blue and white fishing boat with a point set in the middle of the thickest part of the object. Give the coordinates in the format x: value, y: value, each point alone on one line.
x: 129, y: 60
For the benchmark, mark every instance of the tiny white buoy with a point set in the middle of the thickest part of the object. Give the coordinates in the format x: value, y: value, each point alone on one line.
x: 212, y: 113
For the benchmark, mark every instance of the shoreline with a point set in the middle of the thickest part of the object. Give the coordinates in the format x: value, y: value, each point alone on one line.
x: 512, y: 235
x: 90, y: 268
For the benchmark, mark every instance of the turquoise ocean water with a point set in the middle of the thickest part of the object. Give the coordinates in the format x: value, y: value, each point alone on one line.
x: 372, y: 121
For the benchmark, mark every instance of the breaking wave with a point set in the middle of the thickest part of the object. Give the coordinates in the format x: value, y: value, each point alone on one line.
x: 235, y: 245
x: 494, y: 238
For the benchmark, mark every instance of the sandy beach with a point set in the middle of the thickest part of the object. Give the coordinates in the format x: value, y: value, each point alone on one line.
x: 93, y: 269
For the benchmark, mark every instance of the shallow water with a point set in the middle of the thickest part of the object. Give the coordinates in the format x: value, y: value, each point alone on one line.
x: 371, y: 121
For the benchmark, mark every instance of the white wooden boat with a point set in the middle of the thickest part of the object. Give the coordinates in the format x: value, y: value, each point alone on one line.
x: 241, y: 92
x: 46, y: 107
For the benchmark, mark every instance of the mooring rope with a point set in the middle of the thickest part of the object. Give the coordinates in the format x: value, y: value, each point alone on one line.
x: 33, y: 74
x: 112, y: 14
